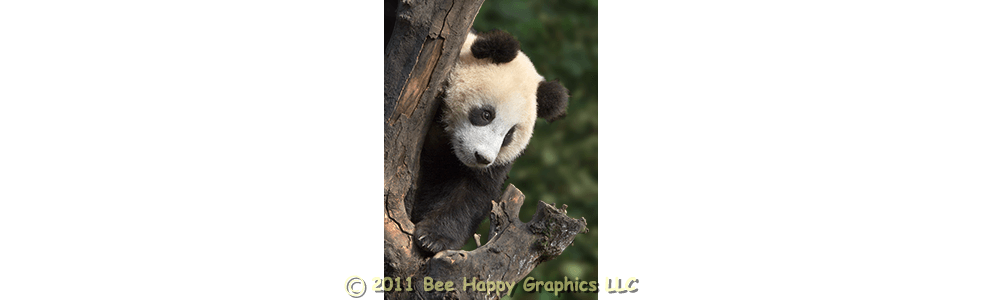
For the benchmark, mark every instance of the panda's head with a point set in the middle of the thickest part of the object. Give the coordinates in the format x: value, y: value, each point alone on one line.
x: 492, y: 99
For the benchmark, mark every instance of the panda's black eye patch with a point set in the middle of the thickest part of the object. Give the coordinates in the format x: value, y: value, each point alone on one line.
x: 508, y: 136
x: 480, y: 116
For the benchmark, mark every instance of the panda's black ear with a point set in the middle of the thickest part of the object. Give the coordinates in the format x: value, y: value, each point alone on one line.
x: 499, y: 45
x: 552, y: 98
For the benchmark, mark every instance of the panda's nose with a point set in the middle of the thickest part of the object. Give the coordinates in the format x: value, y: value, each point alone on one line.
x: 481, y: 159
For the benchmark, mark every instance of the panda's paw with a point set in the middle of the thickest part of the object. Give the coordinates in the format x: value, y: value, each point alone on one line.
x: 431, y: 239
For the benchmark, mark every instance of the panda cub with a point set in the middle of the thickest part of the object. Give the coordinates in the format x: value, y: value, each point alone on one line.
x: 492, y: 98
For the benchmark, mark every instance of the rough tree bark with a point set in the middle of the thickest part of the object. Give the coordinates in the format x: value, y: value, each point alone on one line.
x: 424, y: 44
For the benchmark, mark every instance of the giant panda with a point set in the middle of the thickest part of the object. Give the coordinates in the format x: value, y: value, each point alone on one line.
x: 489, y: 106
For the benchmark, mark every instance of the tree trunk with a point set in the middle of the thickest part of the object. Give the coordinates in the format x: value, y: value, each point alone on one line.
x: 425, y: 41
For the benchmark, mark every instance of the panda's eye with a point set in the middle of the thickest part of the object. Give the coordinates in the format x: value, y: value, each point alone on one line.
x: 480, y: 116
x: 508, y: 136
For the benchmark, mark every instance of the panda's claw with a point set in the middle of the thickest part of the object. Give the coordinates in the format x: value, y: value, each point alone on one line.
x: 431, y: 240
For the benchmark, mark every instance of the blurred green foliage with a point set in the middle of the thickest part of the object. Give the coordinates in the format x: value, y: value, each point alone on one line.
x: 560, y: 164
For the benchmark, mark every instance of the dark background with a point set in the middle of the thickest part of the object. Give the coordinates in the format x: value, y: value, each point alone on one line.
x: 560, y: 164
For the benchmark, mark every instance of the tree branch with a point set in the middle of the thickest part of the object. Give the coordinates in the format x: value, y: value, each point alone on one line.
x: 424, y: 44
x: 513, y: 249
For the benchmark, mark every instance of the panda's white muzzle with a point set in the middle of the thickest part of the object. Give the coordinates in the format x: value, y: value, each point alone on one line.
x: 477, y: 147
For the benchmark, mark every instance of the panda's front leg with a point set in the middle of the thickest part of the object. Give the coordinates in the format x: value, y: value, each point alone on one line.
x: 452, y: 221
x: 441, y: 231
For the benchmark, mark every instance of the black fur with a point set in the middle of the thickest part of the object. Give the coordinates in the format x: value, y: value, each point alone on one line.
x: 481, y: 116
x: 552, y: 98
x: 508, y: 136
x: 499, y: 45
x: 452, y: 199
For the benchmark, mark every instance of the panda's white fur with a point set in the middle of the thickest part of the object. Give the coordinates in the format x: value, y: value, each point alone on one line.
x: 510, y: 88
